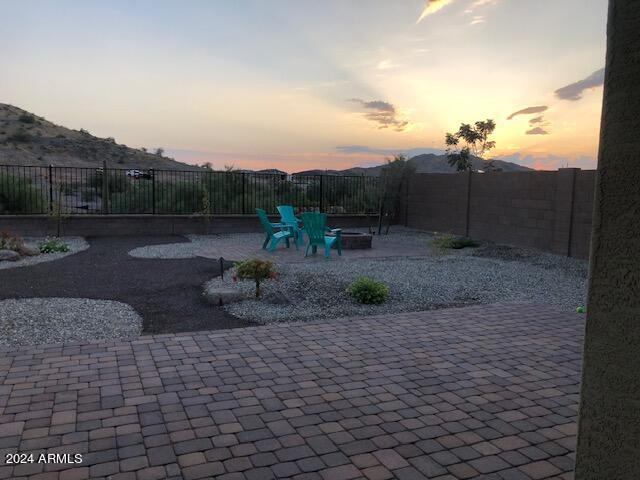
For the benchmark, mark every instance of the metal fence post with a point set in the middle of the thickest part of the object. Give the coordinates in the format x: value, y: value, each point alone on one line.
x: 243, y: 190
x: 105, y: 188
x: 153, y: 191
x: 321, y: 193
x: 50, y: 188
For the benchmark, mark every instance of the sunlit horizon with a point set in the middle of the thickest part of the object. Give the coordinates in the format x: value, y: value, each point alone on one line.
x: 313, y: 85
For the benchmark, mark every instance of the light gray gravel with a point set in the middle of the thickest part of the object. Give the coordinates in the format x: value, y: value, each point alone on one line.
x: 76, y: 244
x: 428, y: 278
x: 196, y: 244
x: 229, y: 242
x: 440, y: 279
x: 36, y: 321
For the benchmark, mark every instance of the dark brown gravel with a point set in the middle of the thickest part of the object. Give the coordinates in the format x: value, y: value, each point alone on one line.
x: 166, y: 293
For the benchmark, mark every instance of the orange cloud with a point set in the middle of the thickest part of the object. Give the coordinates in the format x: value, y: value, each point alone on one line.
x: 432, y: 7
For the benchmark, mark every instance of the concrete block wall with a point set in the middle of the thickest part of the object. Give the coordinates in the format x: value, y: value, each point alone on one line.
x: 549, y: 211
x: 437, y: 202
x: 107, y: 225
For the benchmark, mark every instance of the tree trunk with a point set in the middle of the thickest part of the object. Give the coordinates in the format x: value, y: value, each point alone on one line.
x: 609, y: 424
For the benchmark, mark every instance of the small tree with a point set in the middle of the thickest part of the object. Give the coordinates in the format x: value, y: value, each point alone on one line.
x: 256, y: 270
x: 207, y: 207
x: 395, y: 177
x: 160, y: 151
x: 476, y: 144
x: 57, y: 212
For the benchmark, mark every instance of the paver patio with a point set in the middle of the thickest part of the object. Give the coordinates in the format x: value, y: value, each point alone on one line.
x: 480, y: 392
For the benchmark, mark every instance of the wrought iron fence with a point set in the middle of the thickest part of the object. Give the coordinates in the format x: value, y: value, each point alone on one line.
x: 72, y: 190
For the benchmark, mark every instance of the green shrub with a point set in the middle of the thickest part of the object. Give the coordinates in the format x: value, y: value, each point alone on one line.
x: 19, y: 196
x: 171, y: 198
x: 88, y: 195
x: 256, y: 270
x: 53, y: 245
x: 454, y: 242
x: 20, y: 136
x: 118, y: 183
x: 67, y: 189
x: 27, y: 118
x: 368, y: 291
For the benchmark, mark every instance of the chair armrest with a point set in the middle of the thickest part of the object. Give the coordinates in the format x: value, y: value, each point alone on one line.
x: 288, y: 227
x: 279, y: 225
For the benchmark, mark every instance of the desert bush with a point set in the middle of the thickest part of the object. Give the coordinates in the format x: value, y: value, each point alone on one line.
x: 88, y: 195
x: 256, y: 270
x: 171, y: 197
x: 118, y: 183
x: 368, y: 291
x: 53, y: 245
x: 27, y: 118
x: 20, y: 136
x: 67, y: 189
x: 19, y: 196
x: 453, y: 242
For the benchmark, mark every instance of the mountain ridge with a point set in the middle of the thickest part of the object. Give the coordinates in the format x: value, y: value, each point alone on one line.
x: 30, y: 140
x: 425, y: 163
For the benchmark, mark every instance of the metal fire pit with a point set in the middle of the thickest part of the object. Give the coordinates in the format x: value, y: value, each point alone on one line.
x: 356, y: 240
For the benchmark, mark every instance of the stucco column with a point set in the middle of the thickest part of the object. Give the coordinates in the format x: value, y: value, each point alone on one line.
x: 609, y: 425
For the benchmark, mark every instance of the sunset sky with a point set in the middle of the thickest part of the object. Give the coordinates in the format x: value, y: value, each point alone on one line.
x: 297, y: 84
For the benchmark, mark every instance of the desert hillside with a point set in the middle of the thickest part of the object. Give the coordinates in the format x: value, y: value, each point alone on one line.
x: 26, y: 139
x: 426, y: 163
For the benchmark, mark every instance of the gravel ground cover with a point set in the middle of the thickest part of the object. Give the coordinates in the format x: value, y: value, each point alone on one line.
x: 310, y: 289
x: 234, y: 244
x: 440, y: 279
x: 76, y: 244
x: 36, y: 321
x: 166, y: 293
x: 191, y: 248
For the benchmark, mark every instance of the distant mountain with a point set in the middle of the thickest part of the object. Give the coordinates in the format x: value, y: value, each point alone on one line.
x: 272, y: 171
x: 426, y: 163
x: 26, y: 139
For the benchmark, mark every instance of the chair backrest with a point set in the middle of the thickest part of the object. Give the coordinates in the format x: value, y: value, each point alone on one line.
x: 264, y: 221
x: 315, y: 224
x: 287, y: 215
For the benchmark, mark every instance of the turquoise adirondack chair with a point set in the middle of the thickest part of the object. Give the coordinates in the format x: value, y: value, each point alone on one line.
x: 315, y: 226
x: 288, y: 217
x: 273, y: 235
